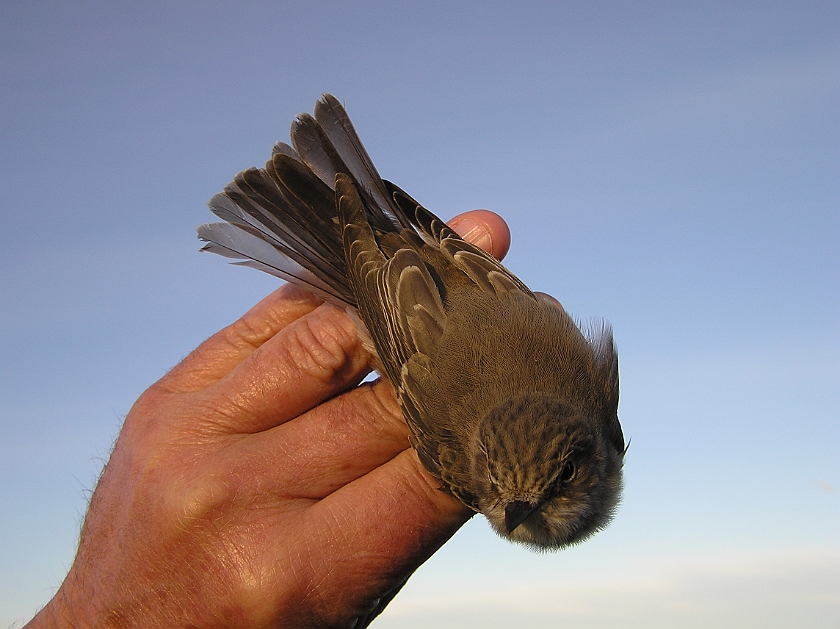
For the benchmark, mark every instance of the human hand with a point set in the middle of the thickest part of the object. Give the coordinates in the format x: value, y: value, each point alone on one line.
x: 256, y: 485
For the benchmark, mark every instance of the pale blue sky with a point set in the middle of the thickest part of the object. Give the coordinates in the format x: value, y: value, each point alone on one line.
x: 670, y: 167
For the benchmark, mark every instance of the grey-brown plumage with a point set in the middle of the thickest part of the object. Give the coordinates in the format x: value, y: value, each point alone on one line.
x: 510, y: 406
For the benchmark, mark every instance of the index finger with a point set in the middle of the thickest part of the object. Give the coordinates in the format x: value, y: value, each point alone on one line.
x: 218, y: 355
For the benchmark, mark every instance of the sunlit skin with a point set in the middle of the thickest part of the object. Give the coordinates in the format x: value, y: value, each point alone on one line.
x: 255, y: 485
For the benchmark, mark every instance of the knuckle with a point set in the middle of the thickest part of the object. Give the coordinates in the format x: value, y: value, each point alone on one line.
x: 248, y: 332
x: 322, y: 349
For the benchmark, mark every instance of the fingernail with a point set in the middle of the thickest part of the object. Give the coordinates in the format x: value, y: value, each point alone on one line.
x: 474, y: 232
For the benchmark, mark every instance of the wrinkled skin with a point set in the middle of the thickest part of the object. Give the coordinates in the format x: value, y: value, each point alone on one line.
x: 255, y: 485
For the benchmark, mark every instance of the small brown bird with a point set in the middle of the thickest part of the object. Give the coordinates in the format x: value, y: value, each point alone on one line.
x: 510, y: 406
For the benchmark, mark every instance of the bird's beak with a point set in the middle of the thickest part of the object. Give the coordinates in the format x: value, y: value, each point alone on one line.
x: 517, y: 512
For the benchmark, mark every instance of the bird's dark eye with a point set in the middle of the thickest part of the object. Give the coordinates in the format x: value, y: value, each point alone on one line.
x: 568, y: 472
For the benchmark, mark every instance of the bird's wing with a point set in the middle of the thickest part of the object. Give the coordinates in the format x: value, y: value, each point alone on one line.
x: 397, y: 298
x: 402, y: 307
x: 481, y: 267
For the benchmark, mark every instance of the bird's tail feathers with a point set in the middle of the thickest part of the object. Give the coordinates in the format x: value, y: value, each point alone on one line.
x: 283, y: 219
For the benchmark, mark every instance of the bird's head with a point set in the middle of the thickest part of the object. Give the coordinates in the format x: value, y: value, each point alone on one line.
x: 548, y: 474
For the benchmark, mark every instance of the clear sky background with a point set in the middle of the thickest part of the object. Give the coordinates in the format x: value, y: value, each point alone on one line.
x: 671, y: 167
